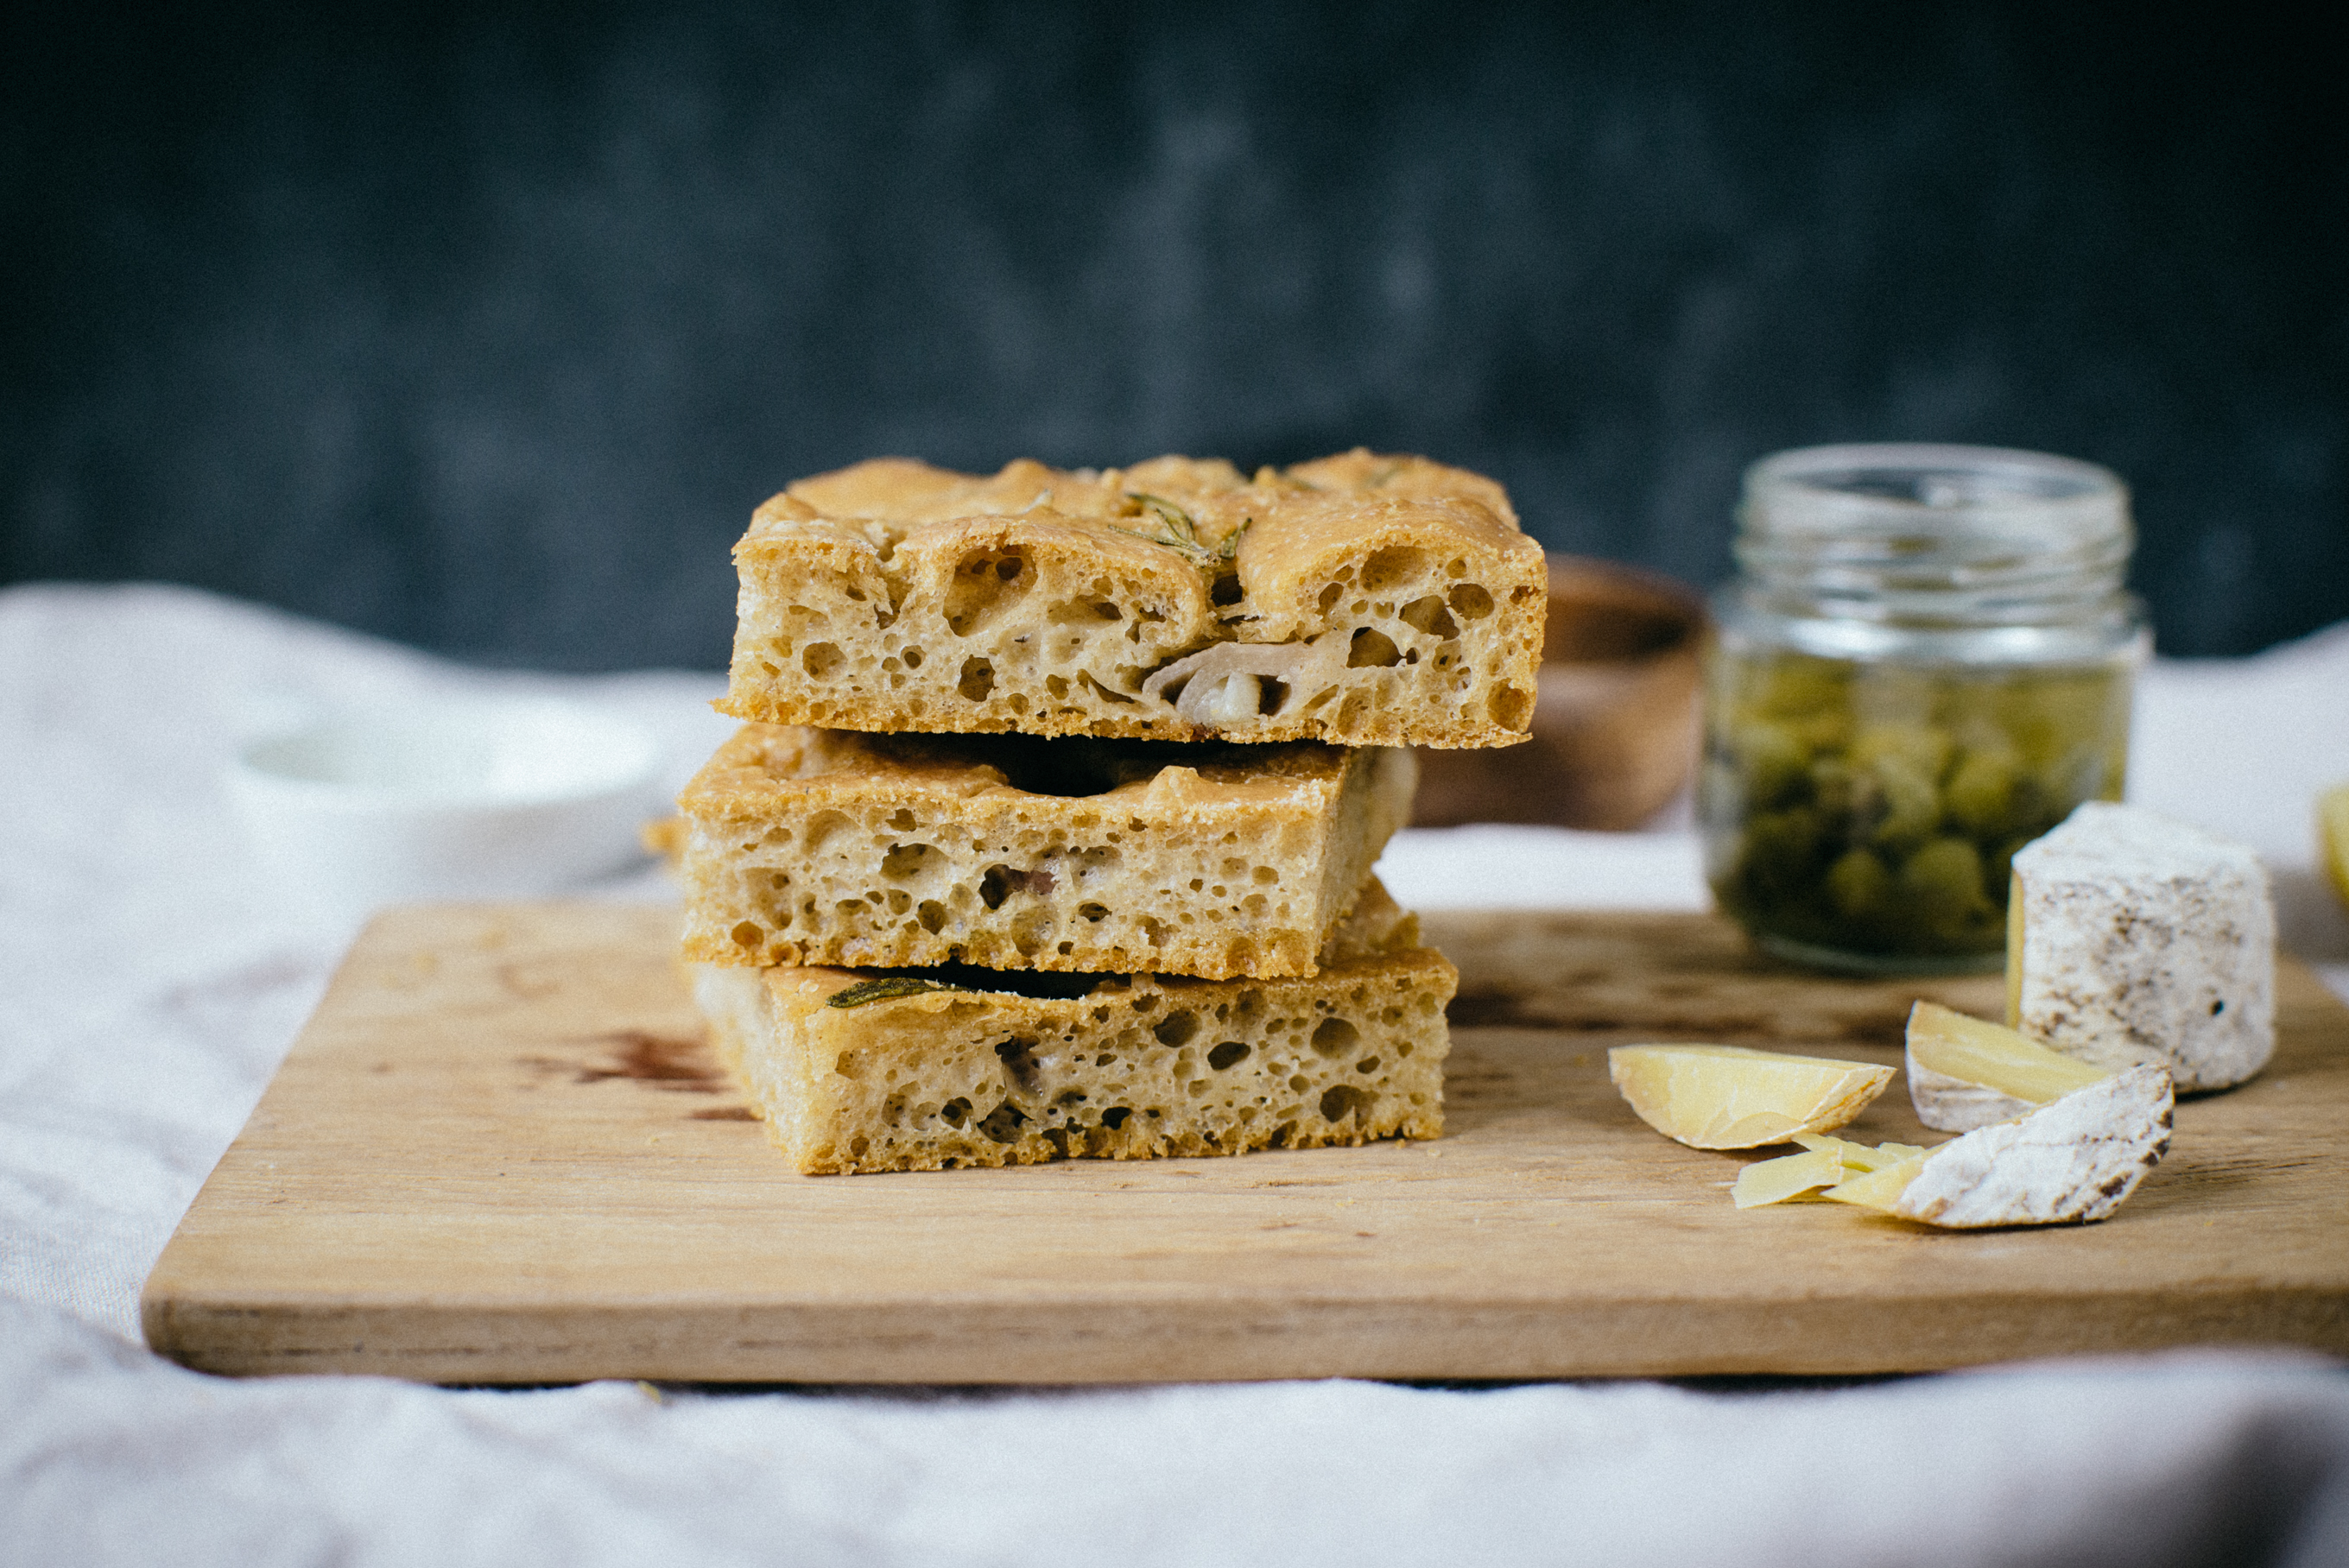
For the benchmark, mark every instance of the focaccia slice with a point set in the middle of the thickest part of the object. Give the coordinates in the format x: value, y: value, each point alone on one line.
x: 813, y: 846
x: 1357, y: 599
x: 923, y: 1070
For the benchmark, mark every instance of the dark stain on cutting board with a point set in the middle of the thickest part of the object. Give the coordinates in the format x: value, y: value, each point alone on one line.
x: 675, y: 1064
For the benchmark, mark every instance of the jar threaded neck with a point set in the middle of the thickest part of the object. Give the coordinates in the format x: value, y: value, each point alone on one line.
x: 1931, y: 535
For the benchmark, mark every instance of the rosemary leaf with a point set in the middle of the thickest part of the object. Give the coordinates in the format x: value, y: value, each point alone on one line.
x: 1175, y: 518
x: 1183, y: 547
x: 1180, y: 532
x: 883, y: 988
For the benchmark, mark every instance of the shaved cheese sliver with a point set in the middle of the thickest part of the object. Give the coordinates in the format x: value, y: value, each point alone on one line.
x: 1859, y: 1156
x: 1788, y: 1176
x: 1878, y: 1189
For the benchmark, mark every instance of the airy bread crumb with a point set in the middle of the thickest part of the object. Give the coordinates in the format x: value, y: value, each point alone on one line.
x: 955, y: 1067
x: 1358, y: 600
x: 810, y: 846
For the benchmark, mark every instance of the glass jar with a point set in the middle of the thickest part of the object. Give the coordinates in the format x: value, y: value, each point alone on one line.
x: 1925, y: 664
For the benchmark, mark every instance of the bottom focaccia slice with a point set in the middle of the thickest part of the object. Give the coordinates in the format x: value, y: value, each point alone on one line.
x: 922, y: 1070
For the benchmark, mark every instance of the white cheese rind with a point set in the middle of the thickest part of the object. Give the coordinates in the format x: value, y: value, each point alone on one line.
x: 1952, y: 1105
x: 2144, y: 940
x: 2071, y: 1161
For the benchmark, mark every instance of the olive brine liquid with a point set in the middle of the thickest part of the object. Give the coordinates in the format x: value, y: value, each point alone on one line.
x: 1855, y: 810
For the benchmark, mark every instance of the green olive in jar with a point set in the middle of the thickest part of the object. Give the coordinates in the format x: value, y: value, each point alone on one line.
x: 1860, y: 812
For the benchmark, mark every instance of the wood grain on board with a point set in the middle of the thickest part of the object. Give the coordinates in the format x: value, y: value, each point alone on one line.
x: 501, y: 1153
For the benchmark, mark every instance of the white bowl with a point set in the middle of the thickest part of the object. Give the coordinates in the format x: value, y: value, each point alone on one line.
x: 483, y: 799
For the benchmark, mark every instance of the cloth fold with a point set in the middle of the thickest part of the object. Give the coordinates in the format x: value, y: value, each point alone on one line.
x: 2183, y: 1460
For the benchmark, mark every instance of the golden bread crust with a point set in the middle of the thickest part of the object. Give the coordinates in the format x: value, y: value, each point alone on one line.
x: 1356, y: 600
x: 811, y: 846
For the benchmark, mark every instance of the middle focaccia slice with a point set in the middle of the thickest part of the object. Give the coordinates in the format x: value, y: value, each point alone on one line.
x: 813, y: 846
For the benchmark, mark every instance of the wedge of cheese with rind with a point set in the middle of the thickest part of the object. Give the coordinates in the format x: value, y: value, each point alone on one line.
x: 1965, y: 1072
x: 1731, y: 1097
x: 2067, y: 1163
x: 2133, y: 938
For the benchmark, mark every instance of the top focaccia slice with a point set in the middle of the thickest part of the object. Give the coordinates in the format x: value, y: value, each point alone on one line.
x: 1358, y: 600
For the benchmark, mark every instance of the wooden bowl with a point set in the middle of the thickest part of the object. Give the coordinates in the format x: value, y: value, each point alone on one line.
x: 1615, y: 717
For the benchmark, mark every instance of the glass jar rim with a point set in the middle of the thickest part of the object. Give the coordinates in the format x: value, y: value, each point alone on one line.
x: 1903, y: 530
x: 1942, y: 480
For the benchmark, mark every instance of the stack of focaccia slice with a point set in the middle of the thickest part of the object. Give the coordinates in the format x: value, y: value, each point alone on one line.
x: 1051, y: 831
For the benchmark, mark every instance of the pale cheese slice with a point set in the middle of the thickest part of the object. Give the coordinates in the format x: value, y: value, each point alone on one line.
x: 1788, y: 1176
x: 1729, y: 1097
x: 2333, y: 829
x: 1824, y: 1161
x: 2133, y: 938
x: 2069, y: 1161
x: 1859, y: 1156
x: 1878, y: 1188
x: 1964, y: 1073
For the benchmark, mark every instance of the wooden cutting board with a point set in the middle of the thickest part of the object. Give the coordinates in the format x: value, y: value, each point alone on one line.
x: 499, y: 1153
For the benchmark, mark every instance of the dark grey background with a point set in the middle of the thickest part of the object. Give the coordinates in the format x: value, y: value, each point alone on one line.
x: 486, y: 329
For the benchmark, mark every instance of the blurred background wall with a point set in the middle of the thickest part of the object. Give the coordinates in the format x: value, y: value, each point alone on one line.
x: 486, y: 327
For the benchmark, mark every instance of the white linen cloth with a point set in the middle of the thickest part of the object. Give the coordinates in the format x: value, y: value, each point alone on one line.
x: 151, y: 977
